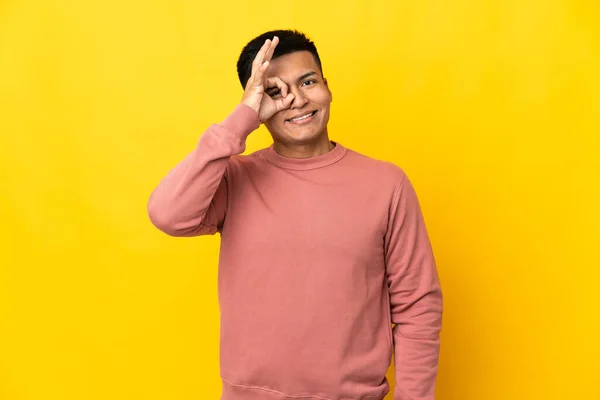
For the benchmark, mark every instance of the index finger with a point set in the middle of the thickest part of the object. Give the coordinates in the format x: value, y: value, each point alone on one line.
x: 276, y: 82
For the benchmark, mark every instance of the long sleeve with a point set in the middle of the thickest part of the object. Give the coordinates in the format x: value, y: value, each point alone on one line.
x: 191, y: 200
x: 415, y: 297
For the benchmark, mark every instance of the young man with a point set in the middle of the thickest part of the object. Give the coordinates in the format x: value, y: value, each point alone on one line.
x: 322, y: 248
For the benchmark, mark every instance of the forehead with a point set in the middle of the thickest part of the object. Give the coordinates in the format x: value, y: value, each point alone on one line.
x: 293, y: 65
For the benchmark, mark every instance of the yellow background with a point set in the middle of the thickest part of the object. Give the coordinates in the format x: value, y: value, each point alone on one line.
x: 492, y: 107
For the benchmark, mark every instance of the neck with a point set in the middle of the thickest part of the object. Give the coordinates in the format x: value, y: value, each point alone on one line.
x: 304, y: 150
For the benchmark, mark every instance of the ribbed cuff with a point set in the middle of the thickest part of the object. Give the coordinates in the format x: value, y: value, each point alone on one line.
x: 242, y: 121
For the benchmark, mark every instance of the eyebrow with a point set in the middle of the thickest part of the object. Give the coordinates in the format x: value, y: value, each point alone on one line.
x: 305, y: 76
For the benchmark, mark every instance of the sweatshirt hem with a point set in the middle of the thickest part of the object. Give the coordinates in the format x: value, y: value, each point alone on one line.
x: 233, y: 391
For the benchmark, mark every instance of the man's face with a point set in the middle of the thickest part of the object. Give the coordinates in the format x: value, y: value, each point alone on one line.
x: 312, y: 95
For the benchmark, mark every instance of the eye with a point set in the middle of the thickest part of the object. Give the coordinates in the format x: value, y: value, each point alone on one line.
x: 274, y: 93
x: 309, y: 82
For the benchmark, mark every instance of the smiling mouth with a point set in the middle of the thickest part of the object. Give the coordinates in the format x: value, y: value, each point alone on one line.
x: 301, y: 118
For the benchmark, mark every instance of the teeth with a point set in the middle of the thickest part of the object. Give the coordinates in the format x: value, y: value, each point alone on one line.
x: 304, y: 117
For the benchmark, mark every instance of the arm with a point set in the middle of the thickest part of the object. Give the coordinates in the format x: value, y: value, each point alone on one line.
x: 415, y: 297
x: 192, y: 199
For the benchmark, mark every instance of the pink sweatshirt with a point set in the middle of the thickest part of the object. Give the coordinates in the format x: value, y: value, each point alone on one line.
x: 319, y: 256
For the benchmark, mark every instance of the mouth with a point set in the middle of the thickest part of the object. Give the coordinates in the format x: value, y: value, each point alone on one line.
x: 303, y: 118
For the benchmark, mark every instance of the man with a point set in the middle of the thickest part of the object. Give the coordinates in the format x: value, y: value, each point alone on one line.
x: 322, y: 248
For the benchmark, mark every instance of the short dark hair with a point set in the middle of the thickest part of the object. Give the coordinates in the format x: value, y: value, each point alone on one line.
x: 290, y: 41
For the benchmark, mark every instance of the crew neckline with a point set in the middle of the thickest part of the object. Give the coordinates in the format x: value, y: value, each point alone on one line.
x: 322, y: 160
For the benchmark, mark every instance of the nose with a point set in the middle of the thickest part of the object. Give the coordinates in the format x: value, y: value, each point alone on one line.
x: 299, y: 99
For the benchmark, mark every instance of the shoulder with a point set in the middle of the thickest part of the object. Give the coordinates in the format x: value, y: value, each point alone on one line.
x: 246, y: 163
x: 375, y: 168
x: 250, y: 158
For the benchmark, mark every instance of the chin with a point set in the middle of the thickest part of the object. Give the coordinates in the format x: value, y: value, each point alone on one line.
x: 291, y: 141
x: 303, y: 132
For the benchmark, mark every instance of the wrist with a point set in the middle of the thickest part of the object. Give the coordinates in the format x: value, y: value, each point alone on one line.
x: 255, y: 107
x: 242, y: 121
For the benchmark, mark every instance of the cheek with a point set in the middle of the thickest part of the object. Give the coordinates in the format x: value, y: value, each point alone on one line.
x: 275, y: 121
x: 324, y: 98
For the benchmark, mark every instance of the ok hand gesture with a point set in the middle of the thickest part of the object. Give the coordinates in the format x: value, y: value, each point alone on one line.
x: 254, y: 93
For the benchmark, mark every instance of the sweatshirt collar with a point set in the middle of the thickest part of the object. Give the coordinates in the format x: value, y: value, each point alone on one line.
x: 323, y: 160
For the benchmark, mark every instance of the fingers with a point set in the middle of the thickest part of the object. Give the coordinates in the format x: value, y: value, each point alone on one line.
x: 266, y: 51
x: 271, y: 49
x: 258, y: 67
x: 276, y: 81
x: 258, y: 60
x: 264, y: 54
x: 287, y: 97
x: 258, y: 77
x: 285, y: 102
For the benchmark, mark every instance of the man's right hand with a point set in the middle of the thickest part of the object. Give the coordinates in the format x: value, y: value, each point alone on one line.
x: 254, y: 93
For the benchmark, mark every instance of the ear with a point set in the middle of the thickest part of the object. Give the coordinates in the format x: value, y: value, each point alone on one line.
x: 327, y: 86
